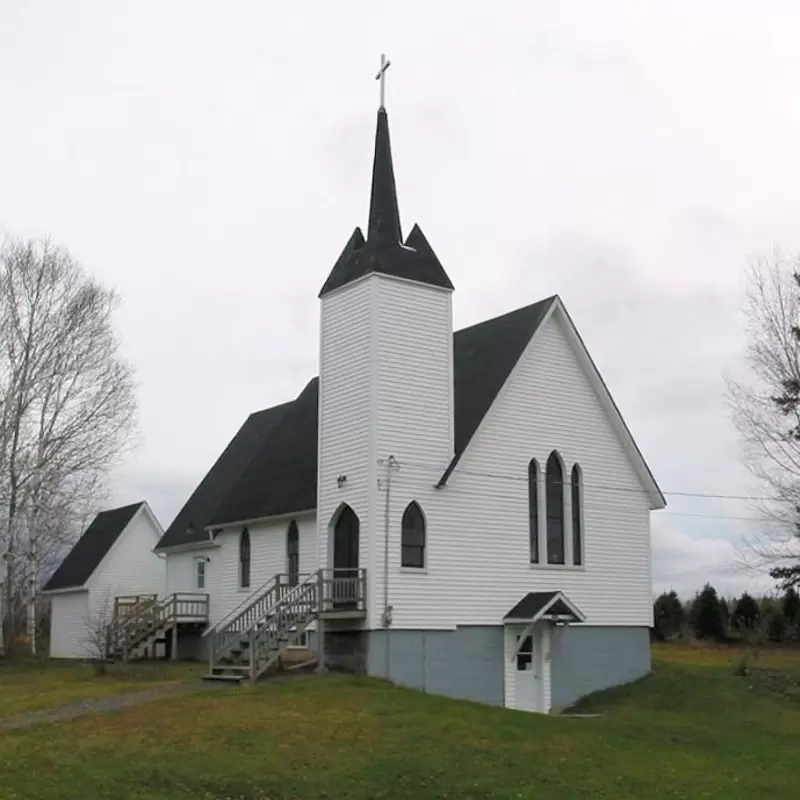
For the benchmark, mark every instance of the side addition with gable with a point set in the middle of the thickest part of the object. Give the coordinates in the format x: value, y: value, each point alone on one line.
x: 114, y: 557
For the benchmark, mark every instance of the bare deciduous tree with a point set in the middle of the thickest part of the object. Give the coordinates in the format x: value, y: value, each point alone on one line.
x: 67, y: 407
x: 97, y: 632
x: 766, y: 410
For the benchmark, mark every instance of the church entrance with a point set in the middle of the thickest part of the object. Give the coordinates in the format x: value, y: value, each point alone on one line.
x: 345, y: 559
x: 529, y: 671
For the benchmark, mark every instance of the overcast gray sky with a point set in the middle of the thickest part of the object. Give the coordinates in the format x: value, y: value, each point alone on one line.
x: 209, y: 161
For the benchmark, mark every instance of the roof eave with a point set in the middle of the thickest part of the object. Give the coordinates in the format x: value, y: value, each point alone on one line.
x: 199, y: 544
x: 256, y: 520
x: 65, y: 590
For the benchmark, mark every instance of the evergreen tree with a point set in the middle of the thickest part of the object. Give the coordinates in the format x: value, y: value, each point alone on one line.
x: 746, y: 613
x: 668, y: 614
x: 725, y: 614
x: 790, y: 604
x: 777, y: 626
x: 707, y: 620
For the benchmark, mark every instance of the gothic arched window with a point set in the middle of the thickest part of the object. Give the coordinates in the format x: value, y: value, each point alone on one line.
x: 533, y: 510
x: 293, y: 553
x: 413, y: 537
x: 577, y: 515
x: 554, y: 495
x: 244, y: 559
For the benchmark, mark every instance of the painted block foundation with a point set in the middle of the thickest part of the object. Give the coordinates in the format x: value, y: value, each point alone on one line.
x: 587, y: 659
x: 466, y: 663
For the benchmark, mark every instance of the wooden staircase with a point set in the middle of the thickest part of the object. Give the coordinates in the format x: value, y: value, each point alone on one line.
x: 249, y: 641
x: 140, y: 621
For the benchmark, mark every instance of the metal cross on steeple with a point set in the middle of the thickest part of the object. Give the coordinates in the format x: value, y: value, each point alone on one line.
x: 381, y: 76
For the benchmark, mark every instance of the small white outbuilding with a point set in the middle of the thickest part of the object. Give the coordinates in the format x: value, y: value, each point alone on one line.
x: 114, y: 557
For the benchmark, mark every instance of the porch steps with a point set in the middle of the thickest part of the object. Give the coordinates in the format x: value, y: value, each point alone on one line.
x: 140, y: 621
x: 249, y: 642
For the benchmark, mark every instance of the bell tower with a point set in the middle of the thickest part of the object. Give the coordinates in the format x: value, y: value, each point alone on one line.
x: 386, y: 373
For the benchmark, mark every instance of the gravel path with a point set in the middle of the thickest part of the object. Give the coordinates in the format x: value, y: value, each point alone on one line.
x: 99, y: 705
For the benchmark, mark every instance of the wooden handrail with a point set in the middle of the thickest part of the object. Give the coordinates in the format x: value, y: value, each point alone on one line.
x: 267, y: 633
x: 134, y: 626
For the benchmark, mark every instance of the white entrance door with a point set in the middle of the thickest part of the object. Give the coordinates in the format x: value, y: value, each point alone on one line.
x: 529, y: 674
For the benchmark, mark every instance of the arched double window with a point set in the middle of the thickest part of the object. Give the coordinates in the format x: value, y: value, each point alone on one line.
x: 413, y: 537
x: 533, y: 510
x: 293, y: 553
x: 554, y: 500
x: 577, y: 515
x: 244, y: 559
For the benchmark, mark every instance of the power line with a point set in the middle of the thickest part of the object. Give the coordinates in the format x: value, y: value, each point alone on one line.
x: 523, y: 479
x: 462, y: 491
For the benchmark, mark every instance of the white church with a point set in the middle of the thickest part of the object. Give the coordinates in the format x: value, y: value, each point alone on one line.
x: 462, y: 513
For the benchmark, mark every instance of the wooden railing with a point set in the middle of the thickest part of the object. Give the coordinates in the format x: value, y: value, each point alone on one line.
x: 280, y: 613
x: 344, y: 589
x: 225, y: 634
x: 284, y: 625
x: 135, y: 622
x: 127, y: 604
x: 189, y: 606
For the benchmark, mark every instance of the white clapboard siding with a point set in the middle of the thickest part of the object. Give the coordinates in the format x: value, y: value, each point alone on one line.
x: 69, y: 633
x: 268, y: 557
x: 478, y: 553
x: 181, y: 571
x: 347, y: 359
x: 130, y: 566
x: 414, y: 405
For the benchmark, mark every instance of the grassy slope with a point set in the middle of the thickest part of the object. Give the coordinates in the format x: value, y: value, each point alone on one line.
x: 31, y: 686
x: 691, y: 730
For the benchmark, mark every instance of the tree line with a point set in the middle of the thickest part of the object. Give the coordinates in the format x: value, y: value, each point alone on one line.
x: 710, y: 617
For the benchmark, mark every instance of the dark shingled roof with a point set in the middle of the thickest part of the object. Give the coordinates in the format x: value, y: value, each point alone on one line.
x: 534, y: 602
x: 188, y: 526
x: 91, y: 548
x: 282, y: 476
x: 483, y: 357
x: 384, y: 251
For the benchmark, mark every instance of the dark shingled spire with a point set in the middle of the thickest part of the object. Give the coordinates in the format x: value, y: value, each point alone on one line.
x: 384, y: 215
x: 384, y: 251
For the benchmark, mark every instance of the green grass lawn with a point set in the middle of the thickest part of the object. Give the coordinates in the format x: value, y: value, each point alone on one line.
x: 31, y: 686
x: 693, y: 729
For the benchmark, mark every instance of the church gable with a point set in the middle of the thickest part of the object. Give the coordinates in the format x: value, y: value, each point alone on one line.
x: 555, y: 398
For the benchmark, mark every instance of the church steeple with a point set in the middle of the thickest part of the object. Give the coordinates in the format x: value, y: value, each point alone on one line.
x: 383, y: 251
x: 384, y: 214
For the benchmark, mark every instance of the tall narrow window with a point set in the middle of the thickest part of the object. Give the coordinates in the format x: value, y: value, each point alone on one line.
x: 200, y: 573
x: 555, y: 509
x: 533, y: 509
x: 577, y: 515
x: 293, y: 554
x: 413, y: 537
x: 244, y: 559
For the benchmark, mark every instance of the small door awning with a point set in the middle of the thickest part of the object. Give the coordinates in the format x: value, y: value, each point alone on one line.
x: 552, y: 606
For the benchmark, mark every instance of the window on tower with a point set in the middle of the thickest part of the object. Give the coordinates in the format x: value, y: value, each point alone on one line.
x: 413, y: 537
